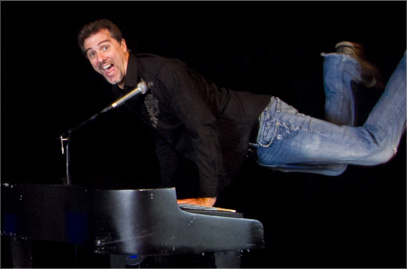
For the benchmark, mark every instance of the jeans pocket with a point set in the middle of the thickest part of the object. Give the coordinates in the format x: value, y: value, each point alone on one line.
x: 267, y: 132
x: 272, y: 118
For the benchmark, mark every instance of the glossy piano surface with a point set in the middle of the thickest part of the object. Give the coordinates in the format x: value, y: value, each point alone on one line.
x: 125, y: 221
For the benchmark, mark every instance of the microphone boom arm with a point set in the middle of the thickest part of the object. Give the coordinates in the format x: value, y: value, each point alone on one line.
x: 65, y: 137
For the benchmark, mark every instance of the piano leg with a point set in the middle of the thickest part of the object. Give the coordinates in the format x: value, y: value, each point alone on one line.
x: 228, y: 259
x: 21, y: 253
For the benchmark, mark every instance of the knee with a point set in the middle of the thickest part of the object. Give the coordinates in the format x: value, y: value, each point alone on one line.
x: 335, y: 170
x: 384, y: 155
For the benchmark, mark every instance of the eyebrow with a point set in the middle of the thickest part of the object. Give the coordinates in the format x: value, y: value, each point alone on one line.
x: 106, y: 40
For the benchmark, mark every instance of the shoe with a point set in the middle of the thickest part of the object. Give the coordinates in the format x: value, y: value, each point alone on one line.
x: 370, y: 74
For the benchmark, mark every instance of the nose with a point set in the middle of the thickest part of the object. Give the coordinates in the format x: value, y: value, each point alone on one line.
x: 100, y: 57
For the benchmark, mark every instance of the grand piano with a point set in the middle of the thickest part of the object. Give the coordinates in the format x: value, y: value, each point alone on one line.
x: 120, y: 222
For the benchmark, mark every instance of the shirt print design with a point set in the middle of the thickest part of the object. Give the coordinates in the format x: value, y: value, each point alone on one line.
x: 151, y: 104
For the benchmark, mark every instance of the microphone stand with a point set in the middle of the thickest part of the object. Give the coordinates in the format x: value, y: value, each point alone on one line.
x: 65, y: 139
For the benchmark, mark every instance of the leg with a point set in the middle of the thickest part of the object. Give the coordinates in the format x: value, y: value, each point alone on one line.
x: 21, y: 251
x: 290, y: 141
x: 228, y: 259
x: 342, y: 77
x: 344, y: 72
x: 339, y: 72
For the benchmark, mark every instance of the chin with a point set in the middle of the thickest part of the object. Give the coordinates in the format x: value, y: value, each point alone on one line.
x: 113, y: 82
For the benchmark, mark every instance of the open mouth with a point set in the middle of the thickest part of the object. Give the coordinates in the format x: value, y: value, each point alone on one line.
x: 107, y: 69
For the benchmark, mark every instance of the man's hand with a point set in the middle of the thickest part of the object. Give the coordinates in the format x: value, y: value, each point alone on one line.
x: 204, y: 201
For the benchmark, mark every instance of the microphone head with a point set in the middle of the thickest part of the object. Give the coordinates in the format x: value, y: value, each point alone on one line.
x: 142, y: 86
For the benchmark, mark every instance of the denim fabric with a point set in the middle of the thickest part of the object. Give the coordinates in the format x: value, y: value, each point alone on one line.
x: 290, y: 141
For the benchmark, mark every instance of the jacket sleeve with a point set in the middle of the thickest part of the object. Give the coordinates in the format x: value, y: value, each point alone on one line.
x: 185, y: 90
x: 168, y: 161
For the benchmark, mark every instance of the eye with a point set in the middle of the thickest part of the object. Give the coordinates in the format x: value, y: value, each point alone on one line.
x: 105, y: 48
x: 91, y: 54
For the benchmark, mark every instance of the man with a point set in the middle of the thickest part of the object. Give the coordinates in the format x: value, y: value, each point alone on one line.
x: 213, y: 127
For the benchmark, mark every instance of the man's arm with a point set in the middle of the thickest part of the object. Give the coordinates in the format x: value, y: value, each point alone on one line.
x: 186, y: 95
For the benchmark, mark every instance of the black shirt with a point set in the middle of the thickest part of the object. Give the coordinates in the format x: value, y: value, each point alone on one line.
x: 192, y: 117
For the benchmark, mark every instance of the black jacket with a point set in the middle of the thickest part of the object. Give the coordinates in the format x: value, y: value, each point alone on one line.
x: 208, y: 125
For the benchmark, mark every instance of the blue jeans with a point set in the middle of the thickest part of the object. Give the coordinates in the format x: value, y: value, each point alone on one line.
x: 293, y: 142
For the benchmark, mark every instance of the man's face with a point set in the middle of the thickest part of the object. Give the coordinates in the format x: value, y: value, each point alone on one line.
x: 107, y: 56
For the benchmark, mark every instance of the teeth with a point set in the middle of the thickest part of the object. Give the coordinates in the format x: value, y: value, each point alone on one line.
x: 106, y: 66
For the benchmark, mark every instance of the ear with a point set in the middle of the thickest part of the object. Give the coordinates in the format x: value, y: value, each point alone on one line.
x: 123, y: 45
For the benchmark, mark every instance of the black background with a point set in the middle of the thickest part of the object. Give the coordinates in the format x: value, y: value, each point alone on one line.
x: 355, y: 220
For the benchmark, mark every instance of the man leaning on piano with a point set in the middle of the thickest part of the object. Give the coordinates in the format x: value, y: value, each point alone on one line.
x: 215, y: 128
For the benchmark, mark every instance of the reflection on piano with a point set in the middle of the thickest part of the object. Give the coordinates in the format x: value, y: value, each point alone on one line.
x: 120, y: 222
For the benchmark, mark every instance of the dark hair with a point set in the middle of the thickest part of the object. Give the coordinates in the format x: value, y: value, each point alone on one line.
x: 94, y: 27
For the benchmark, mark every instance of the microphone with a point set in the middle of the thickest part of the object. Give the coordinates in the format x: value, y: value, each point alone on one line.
x: 140, y: 89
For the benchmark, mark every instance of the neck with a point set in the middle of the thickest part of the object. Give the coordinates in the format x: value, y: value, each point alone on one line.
x: 121, y: 83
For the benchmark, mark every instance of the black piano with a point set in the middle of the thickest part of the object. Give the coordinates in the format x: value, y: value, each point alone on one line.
x: 121, y: 222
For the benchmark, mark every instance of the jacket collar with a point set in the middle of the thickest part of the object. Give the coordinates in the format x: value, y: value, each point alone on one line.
x: 132, y: 77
